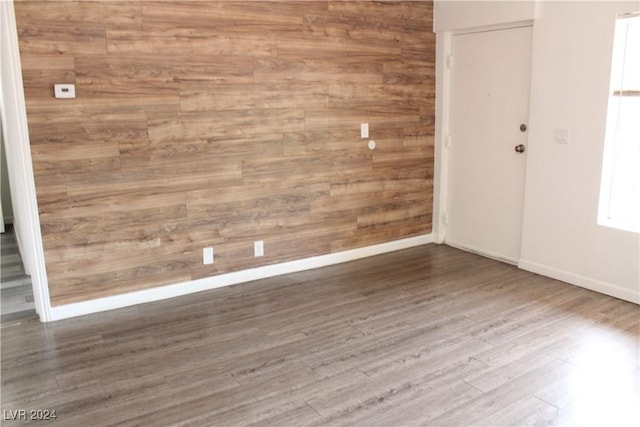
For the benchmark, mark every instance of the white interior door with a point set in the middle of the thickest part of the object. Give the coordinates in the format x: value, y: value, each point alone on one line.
x: 489, y: 105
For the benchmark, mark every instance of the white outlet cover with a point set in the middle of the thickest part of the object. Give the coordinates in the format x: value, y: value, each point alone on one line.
x: 207, y: 255
x: 64, y: 90
x: 258, y: 248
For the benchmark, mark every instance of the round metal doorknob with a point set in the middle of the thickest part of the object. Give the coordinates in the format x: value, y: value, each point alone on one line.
x: 520, y: 148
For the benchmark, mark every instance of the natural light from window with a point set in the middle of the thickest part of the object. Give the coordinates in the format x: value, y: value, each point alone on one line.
x: 620, y: 189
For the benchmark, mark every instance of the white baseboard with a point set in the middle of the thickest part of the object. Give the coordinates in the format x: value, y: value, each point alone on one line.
x: 164, y: 292
x: 631, y: 295
x: 482, y: 252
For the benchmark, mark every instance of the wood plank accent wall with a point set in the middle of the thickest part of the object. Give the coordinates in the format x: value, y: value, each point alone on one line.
x: 217, y: 123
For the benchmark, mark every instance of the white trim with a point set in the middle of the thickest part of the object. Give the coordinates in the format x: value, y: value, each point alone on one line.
x: 482, y: 252
x: 2, y: 159
x: 582, y: 281
x: 494, y: 27
x: 612, y: 139
x: 19, y: 163
x: 441, y: 152
x: 170, y: 291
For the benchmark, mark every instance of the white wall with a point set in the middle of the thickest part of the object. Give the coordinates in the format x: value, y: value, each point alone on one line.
x: 571, y: 54
x: 457, y: 15
x: 20, y: 169
x: 7, y: 207
x: 11, y: 133
x: 572, y: 45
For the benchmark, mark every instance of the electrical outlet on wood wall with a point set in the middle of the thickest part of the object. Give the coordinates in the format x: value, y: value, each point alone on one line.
x: 221, y: 123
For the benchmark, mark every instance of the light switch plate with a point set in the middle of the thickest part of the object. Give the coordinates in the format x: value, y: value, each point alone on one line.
x: 561, y: 136
x: 64, y: 90
x: 364, y: 130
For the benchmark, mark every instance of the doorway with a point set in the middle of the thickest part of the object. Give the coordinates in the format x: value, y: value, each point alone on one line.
x: 16, y: 293
x: 26, y: 222
x: 488, y: 127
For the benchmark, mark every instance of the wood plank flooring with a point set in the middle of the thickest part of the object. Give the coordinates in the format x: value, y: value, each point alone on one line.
x: 425, y: 336
x: 16, y: 293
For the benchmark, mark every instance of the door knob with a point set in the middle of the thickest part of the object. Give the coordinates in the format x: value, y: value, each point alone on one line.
x: 523, y: 128
x: 520, y: 148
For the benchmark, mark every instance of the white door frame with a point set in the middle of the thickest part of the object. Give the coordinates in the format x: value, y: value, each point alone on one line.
x: 444, y: 41
x: 19, y: 163
x: 444, y: 78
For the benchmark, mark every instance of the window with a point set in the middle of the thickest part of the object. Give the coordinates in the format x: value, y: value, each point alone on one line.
x: 620, y: 188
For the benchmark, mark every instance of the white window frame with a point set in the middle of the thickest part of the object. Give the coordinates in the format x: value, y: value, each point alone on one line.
x: 613, y: 158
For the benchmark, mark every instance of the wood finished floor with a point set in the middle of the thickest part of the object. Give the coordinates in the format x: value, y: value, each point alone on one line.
x: 16, y: 293
x: 426, y: 336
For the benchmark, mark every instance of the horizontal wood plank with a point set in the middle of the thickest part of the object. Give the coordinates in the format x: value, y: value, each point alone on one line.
x: 218, y: 123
